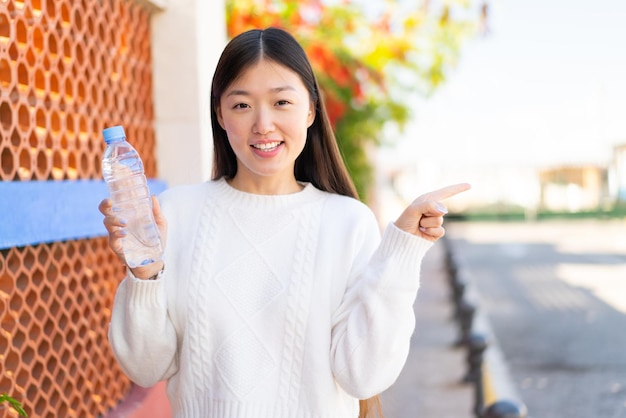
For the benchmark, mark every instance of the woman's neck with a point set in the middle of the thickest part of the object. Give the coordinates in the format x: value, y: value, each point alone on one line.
x: 265, y: 186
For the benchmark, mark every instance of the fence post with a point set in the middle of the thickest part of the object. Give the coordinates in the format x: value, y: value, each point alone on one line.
x: 466, y: 312
x: 505, y: 409
x: 459, y: 286
x: 477, y: 344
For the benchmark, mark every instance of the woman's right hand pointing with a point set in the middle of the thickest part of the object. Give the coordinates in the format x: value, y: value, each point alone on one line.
x: 424, y: 216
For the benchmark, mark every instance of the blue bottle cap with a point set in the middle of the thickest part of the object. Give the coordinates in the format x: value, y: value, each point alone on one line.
x: 114, y: 134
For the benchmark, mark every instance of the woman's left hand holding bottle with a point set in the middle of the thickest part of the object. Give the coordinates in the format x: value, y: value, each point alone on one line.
x: 116, y: 228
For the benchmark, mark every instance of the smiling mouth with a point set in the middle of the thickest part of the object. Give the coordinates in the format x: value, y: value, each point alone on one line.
x: 266, y: 147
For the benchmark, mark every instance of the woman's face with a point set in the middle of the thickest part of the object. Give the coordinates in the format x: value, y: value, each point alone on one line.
x: 265, y: 113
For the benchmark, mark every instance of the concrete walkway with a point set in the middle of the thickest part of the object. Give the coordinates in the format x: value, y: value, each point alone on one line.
x: 430, y: 385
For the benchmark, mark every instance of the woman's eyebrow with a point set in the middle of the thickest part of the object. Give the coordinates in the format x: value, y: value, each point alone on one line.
x: 237, y: 93
x: 246, y: 93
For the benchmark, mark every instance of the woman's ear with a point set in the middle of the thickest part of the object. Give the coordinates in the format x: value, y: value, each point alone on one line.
x: 218, y: 113
x: 311, y: 115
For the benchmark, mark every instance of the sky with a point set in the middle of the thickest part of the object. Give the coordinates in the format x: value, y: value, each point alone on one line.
x: 545, y: 87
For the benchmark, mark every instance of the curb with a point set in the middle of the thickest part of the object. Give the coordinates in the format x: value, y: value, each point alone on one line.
x: 497, y: 383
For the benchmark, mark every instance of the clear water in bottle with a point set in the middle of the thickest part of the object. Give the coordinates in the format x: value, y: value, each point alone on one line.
x: 123, y: 172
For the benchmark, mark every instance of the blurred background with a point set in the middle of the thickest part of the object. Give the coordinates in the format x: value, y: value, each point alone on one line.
x: 523, y: 100
x: 532, y: 114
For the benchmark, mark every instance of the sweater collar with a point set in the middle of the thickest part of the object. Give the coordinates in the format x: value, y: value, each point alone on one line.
x: 308, y: 194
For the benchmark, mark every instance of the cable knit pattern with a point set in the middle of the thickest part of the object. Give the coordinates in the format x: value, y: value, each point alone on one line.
x: 298, y: 306
x: 199, y: 290
x: 241, y: 373
x: 270, y: 306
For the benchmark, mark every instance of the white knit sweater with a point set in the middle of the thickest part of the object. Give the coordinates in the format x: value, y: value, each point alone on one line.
x: 281, y: 306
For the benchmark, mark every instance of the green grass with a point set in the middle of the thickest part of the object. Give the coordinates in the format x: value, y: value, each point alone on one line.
x: 519, y: 214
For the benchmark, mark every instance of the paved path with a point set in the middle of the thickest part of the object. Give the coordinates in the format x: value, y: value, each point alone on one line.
x: 430, y: 385
x: 555, y: 294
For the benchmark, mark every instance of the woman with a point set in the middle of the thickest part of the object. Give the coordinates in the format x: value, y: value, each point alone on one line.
x: 277, y: 296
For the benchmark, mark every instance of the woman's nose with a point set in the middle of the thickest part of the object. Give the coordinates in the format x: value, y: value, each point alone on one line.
x: 263, y: 123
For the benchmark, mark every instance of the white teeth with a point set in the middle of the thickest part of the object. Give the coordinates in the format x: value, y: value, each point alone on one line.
x: 266, y: 147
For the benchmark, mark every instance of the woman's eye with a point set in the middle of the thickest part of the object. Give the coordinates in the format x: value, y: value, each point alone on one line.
x: 240, y: 106
x: 282, y: 102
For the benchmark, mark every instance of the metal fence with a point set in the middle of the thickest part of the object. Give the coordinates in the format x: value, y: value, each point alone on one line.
x: 68, y: 68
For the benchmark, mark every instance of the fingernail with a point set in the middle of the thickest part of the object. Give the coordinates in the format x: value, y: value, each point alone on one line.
x: 123, y: 232
x: 422, y: 229
x: 123, y: 221
x: 442, y: 208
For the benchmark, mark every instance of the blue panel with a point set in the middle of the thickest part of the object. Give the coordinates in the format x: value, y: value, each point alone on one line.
x: 34, y: 212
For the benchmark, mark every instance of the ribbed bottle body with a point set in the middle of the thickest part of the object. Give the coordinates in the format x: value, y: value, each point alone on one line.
x: 122, y: 170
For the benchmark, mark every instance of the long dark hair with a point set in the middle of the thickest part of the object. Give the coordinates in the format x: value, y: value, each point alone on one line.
x: 320, y: 163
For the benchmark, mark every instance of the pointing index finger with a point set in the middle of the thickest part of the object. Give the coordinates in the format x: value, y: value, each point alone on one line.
x: 448, y: 191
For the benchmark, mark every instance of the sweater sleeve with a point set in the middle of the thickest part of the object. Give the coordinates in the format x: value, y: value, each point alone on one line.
x: 141, y: 334
x: 373, y: 325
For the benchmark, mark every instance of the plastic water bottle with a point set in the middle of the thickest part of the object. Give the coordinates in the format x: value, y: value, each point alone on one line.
x: 123, y: 172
